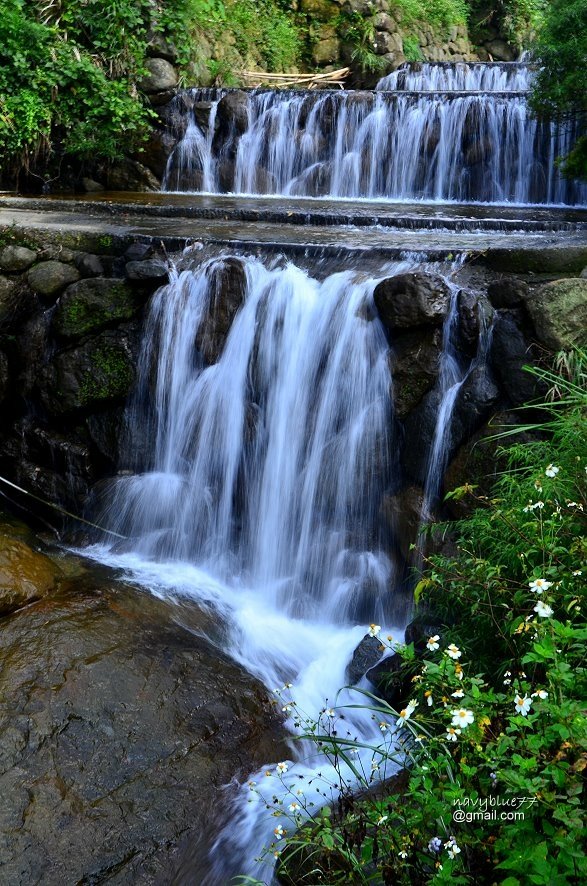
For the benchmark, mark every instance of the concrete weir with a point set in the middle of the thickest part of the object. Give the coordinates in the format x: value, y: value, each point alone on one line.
x: 507, y: 238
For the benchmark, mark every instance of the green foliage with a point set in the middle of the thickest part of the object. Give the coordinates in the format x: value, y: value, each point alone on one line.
x: 516, y: 20
x: 64, y: 87
x: 494, y: 732
x: 412, y: 50
x: 441, y: 14
x: 264, y: 32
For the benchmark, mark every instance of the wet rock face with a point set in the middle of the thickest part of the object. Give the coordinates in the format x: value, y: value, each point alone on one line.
x: 365, y: 656
x: 118, y: 729
x: 25, y: 574
x: 414, y: 363
x: 412, y: 300
x: 229, y: 293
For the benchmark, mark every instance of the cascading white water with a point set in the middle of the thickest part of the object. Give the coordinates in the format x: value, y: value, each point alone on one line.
x: 479, y: 144
x: 459, y: 77
x: 270, y: 463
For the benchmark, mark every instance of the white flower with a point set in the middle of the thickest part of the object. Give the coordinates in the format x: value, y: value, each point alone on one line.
x: 451, y: 847
x: 299, y: 792
x: 539, y: 585
x: 406, y: 713
x: 451, y: 733
x: 383, y: 726
x: 432, y: 642
x: 281, y: 768
x: 428, y: 697
x: 286, y: 708
x: 403, y: 854
x: 294, y: 807
x: 462, y: 717
x: 374, y: 630
x: 279, y: 832
x: 458, y: 694
x: 330, y: 712
x: 578, y: 572
x: 382, y: 818
x: 538, y: 504
x: 453, y: 651
x: 551, y: 471
x: 543, y: 609
x: 537, y: 485
x: 522, y: 705
x: 541, y: 693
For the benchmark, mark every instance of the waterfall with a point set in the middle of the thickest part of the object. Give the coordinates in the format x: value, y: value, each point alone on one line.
x: 270, y: 463
x: 429, y: 132
x: 270, y: 445
x: 459, y: 77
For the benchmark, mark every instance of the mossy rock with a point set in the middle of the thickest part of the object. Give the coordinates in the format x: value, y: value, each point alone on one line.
x: 91, y: 305
x: 559, y: 313
x: 100, y: 370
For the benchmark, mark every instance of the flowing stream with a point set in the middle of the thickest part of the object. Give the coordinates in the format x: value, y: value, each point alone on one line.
x: 432, y: 132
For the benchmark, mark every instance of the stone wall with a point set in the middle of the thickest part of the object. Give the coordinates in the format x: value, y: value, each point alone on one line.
x: 70, y: 321
x: 388, y: 41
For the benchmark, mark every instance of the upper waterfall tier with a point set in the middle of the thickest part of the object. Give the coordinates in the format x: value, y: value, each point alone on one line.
x: 476, y: 141
x: 459, y: 77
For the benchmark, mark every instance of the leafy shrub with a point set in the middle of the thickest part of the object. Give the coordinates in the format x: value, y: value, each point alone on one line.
x: 412, y: 50
x: 263, y: 32
x: 495, y: 728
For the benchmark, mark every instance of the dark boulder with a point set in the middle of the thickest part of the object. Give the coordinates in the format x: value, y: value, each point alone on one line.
x: 365, y: 656
x: 48, y: 278
x: 414, y: 299
x: 228, y: 295
x: 151, y: 270
x: 4, y: 376
x: 510, y: 352
x: 402, y: 513
x: 414, y: 361
x: 474, y: 313
x: 90, y: 265
x: 16, y: 258
x: 391, y: 680
x: 92, y: 304
x: 475, y: 401
x: 507, y: 292
x: 100, y: 370
x: 130, y: 175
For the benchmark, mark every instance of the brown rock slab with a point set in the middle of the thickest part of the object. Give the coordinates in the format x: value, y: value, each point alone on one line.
x: 25, y: 574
